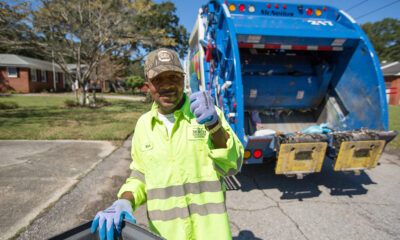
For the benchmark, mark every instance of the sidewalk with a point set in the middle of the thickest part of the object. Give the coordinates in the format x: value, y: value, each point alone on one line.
x: 38, y: 179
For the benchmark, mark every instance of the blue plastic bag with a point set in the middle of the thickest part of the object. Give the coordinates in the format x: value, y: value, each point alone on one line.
x: 323, y: 128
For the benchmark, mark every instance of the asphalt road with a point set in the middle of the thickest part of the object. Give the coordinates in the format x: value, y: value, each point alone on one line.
x: 326, y: 205
x: 261, y: 205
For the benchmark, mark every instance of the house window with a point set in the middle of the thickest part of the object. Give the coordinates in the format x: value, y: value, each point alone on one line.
x: 43, y: 76
x: 12, y: 72
x: 33, y: 75
x: 57, y: 77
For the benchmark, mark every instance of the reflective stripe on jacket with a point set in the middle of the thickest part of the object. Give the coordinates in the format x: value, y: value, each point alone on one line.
x: 181, y: 177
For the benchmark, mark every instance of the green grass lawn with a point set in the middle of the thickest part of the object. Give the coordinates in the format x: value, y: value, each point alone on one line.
x: 44, y: 118
x: 394, y: 124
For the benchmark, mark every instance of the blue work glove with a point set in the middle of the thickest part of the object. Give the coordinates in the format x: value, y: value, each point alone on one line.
x: 112, y: 218
x: 202, y: 106
x: 323, y: 128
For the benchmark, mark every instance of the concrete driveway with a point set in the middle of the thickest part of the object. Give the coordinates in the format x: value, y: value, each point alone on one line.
x: 35, y: 174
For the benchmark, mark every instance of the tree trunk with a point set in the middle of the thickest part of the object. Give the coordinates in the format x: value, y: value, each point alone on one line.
x: 76, y: 91
x: 94, y: 97
x: 115, y: 87
x: 76, y: 96
x: 122, y: 89
x: 83, y: 96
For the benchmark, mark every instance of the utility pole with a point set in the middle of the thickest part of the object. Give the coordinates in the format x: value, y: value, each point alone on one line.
x: 52, y: 57
x: 54, y: 71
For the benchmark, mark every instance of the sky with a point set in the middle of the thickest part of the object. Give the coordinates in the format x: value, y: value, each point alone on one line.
x: 187, y: 9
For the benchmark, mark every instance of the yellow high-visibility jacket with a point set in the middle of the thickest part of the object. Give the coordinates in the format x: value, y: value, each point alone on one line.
x: 181, y: 177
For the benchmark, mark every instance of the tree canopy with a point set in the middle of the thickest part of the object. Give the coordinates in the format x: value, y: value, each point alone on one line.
x: 90, y: 32
x: 16, y: 36
x: 385, y: 37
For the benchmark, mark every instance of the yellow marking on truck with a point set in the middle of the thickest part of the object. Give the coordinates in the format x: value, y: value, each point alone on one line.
x: 358, y: 155
x: 297, y: 158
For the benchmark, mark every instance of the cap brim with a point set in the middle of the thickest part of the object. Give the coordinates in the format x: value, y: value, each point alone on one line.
x: 154, y: 72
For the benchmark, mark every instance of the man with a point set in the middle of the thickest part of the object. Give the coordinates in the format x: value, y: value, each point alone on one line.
x: 181, y: 150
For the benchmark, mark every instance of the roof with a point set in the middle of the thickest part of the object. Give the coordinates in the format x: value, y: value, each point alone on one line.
x: 390, y: 68
x: 12, y: 60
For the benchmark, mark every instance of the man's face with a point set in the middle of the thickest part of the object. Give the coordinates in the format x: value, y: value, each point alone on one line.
x: 167, y: 90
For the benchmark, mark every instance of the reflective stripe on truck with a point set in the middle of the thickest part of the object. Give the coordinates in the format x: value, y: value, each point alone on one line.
x: 290, y: 47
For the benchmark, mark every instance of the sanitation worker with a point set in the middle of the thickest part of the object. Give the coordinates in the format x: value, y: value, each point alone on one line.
x: 181, y: 151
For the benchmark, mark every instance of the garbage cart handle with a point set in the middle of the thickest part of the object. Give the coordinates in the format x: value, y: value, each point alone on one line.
x: 130, y: 231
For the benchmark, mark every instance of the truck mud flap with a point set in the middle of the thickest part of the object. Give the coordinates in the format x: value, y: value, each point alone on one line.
x: 359, y: 155
x: 130, y: 231
x: 300, y: 158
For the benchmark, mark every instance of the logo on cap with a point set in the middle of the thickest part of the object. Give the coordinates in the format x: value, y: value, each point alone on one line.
x: 164, y: 56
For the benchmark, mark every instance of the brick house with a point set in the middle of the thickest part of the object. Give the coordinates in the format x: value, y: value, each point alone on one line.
x: 29, y: 75
x: 391, y: 74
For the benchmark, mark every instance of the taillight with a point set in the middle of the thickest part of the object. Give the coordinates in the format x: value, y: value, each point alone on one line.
x: 242, y: 8
x: 318, y: 12
x: 309, y: 12
x: 252, y: 8
x: 276, y: 6
x: 232, y: 7
x: 269, y: 5
x: 257, y: 153
x: 284, y: 6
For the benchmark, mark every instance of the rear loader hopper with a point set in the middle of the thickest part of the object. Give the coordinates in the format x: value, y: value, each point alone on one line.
x: 298, y: 83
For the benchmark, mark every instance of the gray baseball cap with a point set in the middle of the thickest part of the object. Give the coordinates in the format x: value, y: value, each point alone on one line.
x: 161, y: 60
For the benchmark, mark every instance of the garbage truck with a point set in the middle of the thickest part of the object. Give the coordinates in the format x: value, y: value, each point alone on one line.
x: 300, y: 84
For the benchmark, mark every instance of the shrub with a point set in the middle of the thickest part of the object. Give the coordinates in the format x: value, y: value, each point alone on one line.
x: 101, y: 100
x: 8, y: 105
x: 133, y: 82
x: 71, y: 103
x: 14, y: 91
x: 107, y: 90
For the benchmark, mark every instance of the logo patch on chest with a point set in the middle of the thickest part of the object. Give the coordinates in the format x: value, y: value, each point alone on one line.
x: 146, y: 147
x: 196, y: 132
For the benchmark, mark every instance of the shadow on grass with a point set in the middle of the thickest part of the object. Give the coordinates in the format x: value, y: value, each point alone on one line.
x: 132, y: 106
x: 262, y: 176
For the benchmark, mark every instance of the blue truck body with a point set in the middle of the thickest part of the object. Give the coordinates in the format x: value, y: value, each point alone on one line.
x: 276, y: 69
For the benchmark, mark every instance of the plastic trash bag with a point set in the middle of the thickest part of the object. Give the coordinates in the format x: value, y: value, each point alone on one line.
x: 264, y: 132
x: 323, y: 128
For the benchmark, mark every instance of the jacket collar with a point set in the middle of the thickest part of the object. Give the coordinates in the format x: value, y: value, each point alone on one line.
x: 184, y: 111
